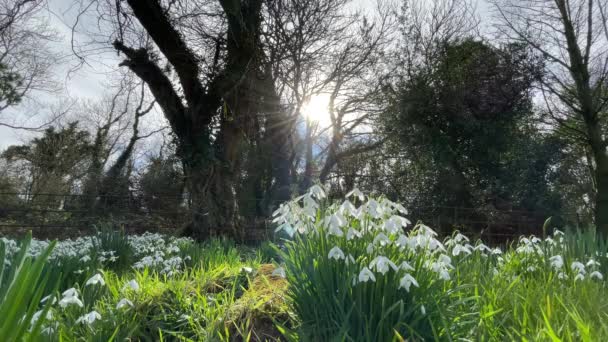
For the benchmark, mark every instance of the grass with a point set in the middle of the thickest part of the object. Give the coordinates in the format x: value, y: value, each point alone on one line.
x: 353, y: 272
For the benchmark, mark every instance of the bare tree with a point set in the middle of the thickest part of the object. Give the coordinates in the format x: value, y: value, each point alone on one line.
x: 25, y: 57
x: 210, y: 113
x: 573, y: 37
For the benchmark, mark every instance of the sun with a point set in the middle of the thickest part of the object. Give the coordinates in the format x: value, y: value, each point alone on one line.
x: 317, y: 110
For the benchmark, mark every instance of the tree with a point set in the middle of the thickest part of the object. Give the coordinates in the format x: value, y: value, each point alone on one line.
x: 54, y: 163
x: 464, y: 135
x: 573, y: 37
x: 25, y: 58
x: 213, y: 118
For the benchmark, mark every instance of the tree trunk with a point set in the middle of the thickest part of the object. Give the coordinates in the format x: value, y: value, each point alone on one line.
x: 308, y: 167
x: 213, y: 189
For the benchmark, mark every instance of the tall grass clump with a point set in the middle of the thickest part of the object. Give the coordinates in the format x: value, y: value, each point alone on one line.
x: 22, y: 286
x: 358, y: 270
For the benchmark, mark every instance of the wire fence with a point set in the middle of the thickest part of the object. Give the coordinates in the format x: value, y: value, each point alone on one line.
x: 66, y: 215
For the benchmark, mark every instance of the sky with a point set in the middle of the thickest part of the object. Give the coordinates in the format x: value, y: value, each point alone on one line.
x: 89, y: 81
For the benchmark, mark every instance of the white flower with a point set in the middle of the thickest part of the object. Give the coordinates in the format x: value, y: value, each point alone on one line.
x: 49, y: 297
x: 382, y: 264
x: 406, y: 267
x: 65, y: 301
x: 374, y: 208
x: 94, y: 280
x: 445, y: 260
x: 349, y: 259
x: 336, y: 221
x: 579, y: 276
x: 400, y: 208
x: 407, y: 281
x: 370, y: 248
x: 131, y: 284
x: 336, y: 253
x: 246, y: 269
x: 561, y: 275
x: 352, y: 233
x: 85, y: 258
x: 556, y: 261
x: 458, y: 248
x: 356, y: 193
x: 278, y: 272
x: 402, y: 241
x: 577, y: 266
x: 123, y: 303
x: 37, y: 314
x: 426, y: 230
x: 348, y: 208
x: 423, y: 309
x: 597, y: 275
x: 317, y: 191
x: 89, y: 318
x: 382, y: 239
x: 71, y: 292
x: 365, y: 275
x: 592, y: 263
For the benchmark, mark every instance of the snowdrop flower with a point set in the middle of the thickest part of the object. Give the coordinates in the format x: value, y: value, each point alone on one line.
x: 37, y: 314
x: 423, y: 309
x: 278, y: 272
x: 71, y: 292
x: 579, y: 276
x: 317, y: 191
x: 374, y: 208
x: 556, y: 261
x: 356, y: 193
x: 365, y: 275
x: 131, y: 284
x: 382, y: 264
x: 481, y: 247
x: 460, y: 249
x: 123, y: 303
x: 370, y: 248
x: 382, y: 239
x: 349, y: 259
x: 352, y: 233
x: 445, y: 260
x: 497, y: 251
x: 459, y: 238
x: 348, y: 208
x: 335, y: 223
x: 49, y: 297
x: 89, y: 318
x: 592, y: 263
x: 561, y: 275
x: 577, y: 266
x: 85, y: 258
x: 426, y: 230
x: 401, y: 221
x: 407, y: 281
x: 444, y: 274
x: 596, y: 275
x: 406, y: 266
x: 336, y: 253
x: 94, y: 280
x: 402, y: 241
x: 400, y: 208
x: 65, y: 301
